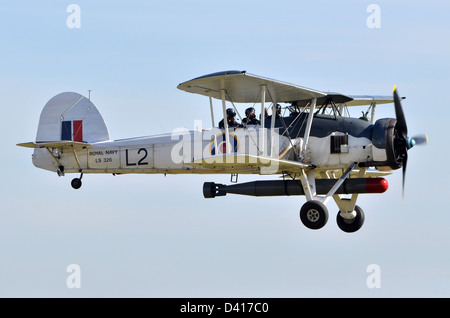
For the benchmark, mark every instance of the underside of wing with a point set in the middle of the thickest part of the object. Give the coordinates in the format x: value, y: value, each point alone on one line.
x: 248, y: 163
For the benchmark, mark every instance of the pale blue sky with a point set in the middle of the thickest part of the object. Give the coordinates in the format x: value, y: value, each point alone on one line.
x: 156, y: 236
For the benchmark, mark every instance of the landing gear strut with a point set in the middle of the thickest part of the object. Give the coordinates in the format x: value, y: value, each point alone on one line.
x: 76, y: 183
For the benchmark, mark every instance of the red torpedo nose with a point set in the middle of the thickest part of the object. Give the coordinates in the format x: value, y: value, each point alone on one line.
x: 376, y: 185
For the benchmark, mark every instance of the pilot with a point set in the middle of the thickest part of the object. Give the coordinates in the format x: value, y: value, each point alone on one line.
x: 278, y: 112
x: 231, y: 114
x: 250, y: 117
x: 294, y: 110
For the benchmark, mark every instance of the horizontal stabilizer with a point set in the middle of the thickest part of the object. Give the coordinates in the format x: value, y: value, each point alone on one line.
x: 56, y: 144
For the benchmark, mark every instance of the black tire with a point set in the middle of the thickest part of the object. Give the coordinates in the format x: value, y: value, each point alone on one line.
x: 352, y: 225
x: 76, y: 183
x: 314, y: 214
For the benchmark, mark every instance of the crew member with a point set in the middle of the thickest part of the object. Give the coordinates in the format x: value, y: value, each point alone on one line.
x: 250, y: 117
x: 231, y: 118
x: 278, y: 112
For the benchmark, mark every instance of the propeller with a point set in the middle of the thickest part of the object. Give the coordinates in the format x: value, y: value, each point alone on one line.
x: 420, y: 140
x: 402, y: 142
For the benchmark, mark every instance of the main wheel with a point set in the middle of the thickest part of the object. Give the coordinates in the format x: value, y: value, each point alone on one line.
x: 76, y: 183
x: 314, y: 214
x: 351, y: 225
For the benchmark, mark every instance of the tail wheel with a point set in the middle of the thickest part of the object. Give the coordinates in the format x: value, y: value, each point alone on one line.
x: 351, y: 225
x: 76, y: 183
x: 314, y: 214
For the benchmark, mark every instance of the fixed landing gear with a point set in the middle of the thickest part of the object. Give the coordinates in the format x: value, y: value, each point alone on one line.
x: 314, y: 215
x: 353, y: 224
x: 76, y: 183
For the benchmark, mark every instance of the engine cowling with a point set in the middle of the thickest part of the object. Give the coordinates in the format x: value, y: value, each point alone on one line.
x: 385, y: 144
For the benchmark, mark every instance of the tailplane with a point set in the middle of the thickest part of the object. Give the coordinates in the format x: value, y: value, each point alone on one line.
x: 69, y: 123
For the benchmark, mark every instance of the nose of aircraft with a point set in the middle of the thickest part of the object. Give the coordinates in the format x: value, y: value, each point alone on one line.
x: 404, y: 142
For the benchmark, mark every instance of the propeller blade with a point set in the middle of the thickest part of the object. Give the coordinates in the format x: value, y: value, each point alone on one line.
x: 421, y: 139
x: 405, y: 159
x: 401, y: 121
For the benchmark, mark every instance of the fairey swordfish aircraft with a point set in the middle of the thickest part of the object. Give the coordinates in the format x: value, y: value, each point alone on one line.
x: 310, y: 143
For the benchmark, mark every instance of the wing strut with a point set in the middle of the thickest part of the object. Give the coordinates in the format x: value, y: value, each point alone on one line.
x: 225, y: 121
x: 212, y: 111
x: 272, y: 127
x: 308, y: 128
x: 263, y: 118
x: 213, y: 121
x: 372, y: 115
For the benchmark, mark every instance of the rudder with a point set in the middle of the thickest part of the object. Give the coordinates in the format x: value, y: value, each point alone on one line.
x: 71, y: 116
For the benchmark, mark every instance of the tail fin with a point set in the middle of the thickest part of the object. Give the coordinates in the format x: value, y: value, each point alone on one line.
x: 71, y: 117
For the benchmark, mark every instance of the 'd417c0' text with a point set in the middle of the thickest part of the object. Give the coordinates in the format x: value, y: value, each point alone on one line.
x: 225, y: 307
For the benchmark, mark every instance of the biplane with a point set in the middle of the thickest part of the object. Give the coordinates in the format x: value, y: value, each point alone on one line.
x: 309, y: 143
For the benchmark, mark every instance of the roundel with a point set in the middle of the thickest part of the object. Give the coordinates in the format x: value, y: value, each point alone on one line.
x: 222, y: 144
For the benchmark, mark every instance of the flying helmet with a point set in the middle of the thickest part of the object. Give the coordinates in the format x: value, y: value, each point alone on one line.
x: 249, y: 110
x: 231, y: 113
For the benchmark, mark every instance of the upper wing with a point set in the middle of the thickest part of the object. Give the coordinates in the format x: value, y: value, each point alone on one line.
x: 242, y: 87
x: 359, y: 100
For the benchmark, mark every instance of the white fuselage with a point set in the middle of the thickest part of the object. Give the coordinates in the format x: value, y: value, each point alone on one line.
x: 172, y: 153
